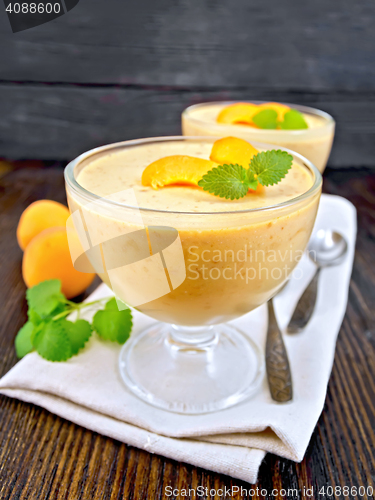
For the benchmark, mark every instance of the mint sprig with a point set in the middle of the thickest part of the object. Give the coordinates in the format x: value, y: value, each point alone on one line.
x: 112, y: 324
x: 269, y: 167
x: 268, y: 119
x: 51, y: 341
x: 226, y: 181
x: 293, y: 120
x: 233, y: 181
x: 43, y: 298
x: 53, y: 336
x: 78, y: 333
x: 23, y: 342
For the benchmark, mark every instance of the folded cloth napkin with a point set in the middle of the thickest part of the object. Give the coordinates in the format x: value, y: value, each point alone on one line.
x: 88, y: 390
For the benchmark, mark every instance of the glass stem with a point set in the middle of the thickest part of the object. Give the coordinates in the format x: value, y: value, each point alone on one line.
x: 193, y: 337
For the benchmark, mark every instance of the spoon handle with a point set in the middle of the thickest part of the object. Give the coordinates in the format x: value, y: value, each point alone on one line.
x: 305, y: 306
x: 277, y: 363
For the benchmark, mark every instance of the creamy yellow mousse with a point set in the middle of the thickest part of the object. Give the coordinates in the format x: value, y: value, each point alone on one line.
x: 217, y: 119
x: 122, y: 170
x: 237, y: 253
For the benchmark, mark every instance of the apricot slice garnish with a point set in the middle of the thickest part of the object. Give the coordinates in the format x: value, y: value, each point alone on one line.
x: 47, y: 257
x: 177, y: 169
x: 240, y: 113
x: 280, y: 109
x: 38, y: 216
x: 232, y: 150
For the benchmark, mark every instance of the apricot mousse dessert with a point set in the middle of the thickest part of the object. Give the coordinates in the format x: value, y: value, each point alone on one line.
x: 192, y: 232
x: 243, y: 214
x: 305, y: 130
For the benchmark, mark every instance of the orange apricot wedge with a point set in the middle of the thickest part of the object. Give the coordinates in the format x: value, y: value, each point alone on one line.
x: 232, y: 150
x: 176, y: 170
x: 240, y: 113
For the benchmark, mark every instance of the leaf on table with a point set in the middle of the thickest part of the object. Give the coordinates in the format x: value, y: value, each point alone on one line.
x: 78, y: 333
x: 52, y: 341
x: 45, y: 297
x: 23, y: 342
x: 112, y: 324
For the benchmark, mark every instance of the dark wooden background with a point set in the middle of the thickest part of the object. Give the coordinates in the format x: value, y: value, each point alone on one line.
x: 114, y: 70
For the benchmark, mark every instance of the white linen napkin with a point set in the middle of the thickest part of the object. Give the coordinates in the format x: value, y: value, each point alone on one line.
x: 88, y: 390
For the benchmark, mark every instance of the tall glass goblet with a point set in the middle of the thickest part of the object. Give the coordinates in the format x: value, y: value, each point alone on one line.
x: 193, y: 271
x: 314, y: 143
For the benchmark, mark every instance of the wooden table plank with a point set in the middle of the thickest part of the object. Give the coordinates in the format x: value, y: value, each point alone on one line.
x: 43, y: 456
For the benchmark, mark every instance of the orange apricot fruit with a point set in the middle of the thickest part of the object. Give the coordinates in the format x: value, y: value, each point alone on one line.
x: 232, y: 150
x: 47, y: 257
x: 240, y: 113
x: 39, y: 216
x: 176, y: 170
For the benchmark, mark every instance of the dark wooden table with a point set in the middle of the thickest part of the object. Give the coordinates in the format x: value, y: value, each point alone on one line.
x: 46, y: 457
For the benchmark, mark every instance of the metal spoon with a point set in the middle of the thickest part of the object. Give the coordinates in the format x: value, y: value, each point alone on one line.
x: 277, y: 362
x: 326, y: 248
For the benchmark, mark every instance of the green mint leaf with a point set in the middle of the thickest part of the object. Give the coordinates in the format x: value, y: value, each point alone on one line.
x: 23, y: 340
x: 45, y: 297
x: 111, y: 305
x: 293, y: 120
x: 271, y: 166
x: 112, y: 324
x: 226, y: 181
x: 267, y: 118
x: 34, y: 317
x: 78, y: 332
x: 52, y: 341
x: 54, y: 337
x: 252, y: 181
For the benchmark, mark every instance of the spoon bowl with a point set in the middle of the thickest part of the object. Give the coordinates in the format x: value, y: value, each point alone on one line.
x: 327, y: 248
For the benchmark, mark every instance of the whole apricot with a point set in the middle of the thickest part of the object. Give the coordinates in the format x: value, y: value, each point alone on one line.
x: 47, y: 256
x: 39, y: 216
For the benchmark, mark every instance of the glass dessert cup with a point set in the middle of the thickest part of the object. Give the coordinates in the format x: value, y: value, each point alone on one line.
x: 314, y: 143
x: 212, y: 267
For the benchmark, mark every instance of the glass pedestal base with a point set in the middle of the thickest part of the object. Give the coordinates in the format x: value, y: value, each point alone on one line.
x: 192, y: 370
